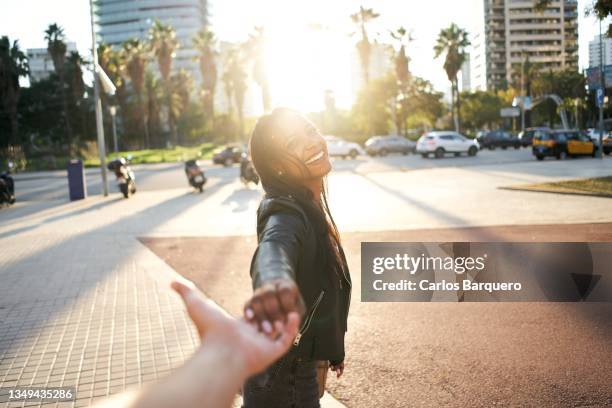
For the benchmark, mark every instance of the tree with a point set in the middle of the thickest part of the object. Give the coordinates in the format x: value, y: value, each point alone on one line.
x: 452, y: 42
x: 135, y: 55
x: 404, y: 79
x: 56, y: 47
x: 480, y: 109
x: 372, y: 111
x: 114, y: 65
x: 13, y: 65
x: 235, y: 82
x: 182, y: 84
x: 74, y: 69
x: 364, y: 47
x: 204, y: 42
x: 163, y: 44
x: 256, y: 48
x: 154, y: 94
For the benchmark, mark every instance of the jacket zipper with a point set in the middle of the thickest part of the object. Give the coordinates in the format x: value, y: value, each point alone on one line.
x: 308, y: 320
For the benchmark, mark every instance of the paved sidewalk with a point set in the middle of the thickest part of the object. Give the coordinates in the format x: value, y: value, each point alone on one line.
x: 83, y: 303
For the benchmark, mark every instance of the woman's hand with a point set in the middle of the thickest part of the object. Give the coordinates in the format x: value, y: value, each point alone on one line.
x: 247, y: 349
x: 338, y: 369
x: 271, y: 303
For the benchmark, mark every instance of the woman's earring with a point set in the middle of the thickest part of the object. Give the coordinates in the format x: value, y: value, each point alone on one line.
x: 280, y: 173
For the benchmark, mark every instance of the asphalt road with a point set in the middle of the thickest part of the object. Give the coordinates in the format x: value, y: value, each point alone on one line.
x: 46, y: 186
x: 441, y: 354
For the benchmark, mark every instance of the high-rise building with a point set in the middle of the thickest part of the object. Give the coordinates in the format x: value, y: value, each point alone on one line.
x: 120, y: 20
x: 41, y: 64
x: 381, y: 63
x: 514, y: 31
x: 595, y: 49
x: 466, y: 77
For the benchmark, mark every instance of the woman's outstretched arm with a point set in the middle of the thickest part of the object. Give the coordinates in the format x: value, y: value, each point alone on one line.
x: 274, y: 270
x: 232, y: 350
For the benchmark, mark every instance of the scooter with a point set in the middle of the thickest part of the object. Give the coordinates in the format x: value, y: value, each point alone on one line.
x: 124, y: 174
x: 247, y: 171
x: 7, y: 187
x: 195, y: 175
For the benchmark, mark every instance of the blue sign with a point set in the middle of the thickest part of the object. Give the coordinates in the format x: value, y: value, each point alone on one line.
x: 599, y: 97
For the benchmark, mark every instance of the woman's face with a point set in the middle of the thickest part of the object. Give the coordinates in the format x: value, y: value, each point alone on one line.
x: 308, y: 146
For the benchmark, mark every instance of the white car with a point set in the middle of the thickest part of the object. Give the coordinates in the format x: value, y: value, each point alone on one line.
x: 441, y: 142
x: 340, y: 147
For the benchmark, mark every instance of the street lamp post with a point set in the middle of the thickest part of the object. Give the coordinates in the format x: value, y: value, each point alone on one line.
x: 603, y: 92
x: 98, y: 105
x: 113, y: 112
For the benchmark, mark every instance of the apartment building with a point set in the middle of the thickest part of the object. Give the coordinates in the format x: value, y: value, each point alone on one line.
x: 41, y: 64
x: 514, y: 31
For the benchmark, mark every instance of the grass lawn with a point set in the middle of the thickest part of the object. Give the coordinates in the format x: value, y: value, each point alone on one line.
x: 600, y: 186
x: 176, y: 154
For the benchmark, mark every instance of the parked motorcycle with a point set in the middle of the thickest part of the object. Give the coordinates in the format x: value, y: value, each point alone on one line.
x: 247, y: 171
x: 124, y: 174
x: 7, y: 187
x: 195, y: 175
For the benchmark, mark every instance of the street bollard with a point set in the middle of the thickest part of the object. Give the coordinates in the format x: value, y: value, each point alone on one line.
x: 76, y: 180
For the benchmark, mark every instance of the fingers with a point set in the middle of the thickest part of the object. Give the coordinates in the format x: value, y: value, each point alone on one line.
x: 287, y: 333
x: 201, y: 310
x: 338, y: 369
x: 271, y: 303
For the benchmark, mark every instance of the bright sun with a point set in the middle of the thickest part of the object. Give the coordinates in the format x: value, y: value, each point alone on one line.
x: 303, y: 62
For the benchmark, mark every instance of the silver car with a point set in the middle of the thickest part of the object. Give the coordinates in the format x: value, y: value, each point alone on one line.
x: 383, y: 145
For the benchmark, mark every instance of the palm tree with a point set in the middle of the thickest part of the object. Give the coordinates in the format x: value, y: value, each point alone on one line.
x: 364, y: 47
x: 235, y: 82
x: 403, y: 76
x: 453, y: 41
x: 154, y: 94
x: 75, y: 73
x: 56, y: 47
x: 163, y: 44
x: 13, y: 65
x: 136, y: 56
x: 182, y: 84
x: 204, y: 42
x: 113, y: 64
x: 256, y: 48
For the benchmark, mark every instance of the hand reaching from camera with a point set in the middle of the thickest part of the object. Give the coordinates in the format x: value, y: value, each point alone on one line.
x: 250, y: 349
x: 271, y: 303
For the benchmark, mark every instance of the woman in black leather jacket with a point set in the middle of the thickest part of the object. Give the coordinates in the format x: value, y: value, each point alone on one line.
x: 299, y: 263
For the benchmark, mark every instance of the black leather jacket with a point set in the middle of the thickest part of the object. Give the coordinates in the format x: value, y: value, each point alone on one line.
x: 290, y: 247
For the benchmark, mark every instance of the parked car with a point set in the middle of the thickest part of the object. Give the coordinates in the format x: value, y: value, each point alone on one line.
x: 526, y: 137
x: 342, y: 148
x: 439, y: 143
x: 383, y: 145
x: 497, y: 138
x: 227, y: 155
x: 562, y: 144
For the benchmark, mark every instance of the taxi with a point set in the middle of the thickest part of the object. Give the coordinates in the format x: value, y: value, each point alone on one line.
x: 562, y: 144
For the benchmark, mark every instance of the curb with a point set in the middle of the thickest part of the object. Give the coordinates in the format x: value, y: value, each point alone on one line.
x: 538, y: 190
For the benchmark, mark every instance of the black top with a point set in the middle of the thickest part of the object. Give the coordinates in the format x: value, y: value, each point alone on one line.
x: 293, y: 246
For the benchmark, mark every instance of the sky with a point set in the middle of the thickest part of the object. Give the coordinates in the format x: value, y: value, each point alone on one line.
x: 310, y: 41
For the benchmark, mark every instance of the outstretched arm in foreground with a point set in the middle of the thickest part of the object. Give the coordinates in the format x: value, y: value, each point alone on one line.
x: 232, y: 350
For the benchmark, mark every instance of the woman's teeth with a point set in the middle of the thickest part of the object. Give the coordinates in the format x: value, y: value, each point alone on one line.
x: 315, y: 157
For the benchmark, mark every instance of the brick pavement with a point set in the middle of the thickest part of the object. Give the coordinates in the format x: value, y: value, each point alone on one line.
x: 83, y: 303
